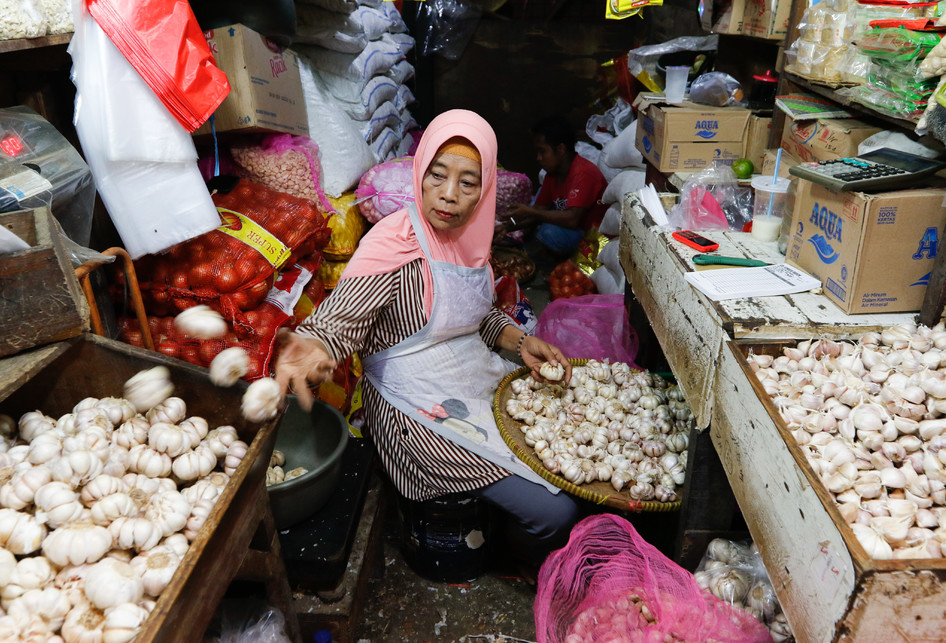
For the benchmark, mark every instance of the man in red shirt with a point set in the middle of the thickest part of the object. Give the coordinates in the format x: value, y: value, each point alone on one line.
x: 569, y: 202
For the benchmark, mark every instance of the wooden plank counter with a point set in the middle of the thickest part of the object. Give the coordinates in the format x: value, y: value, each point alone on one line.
x: 827, y: 593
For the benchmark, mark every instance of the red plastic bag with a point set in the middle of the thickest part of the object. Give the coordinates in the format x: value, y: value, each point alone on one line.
x: 609, y: 584
x: 163, y: 42
x: 590, y: 327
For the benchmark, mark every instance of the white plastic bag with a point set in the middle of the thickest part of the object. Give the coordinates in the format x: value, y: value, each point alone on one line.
x: 377, y: 58
x: 601, y: 128
x: 378, y: 90
x: 607, y: 282
x: 153, y: 204
x: 384, y: 145
x: 345, y: 154
x: 588, y: 151
x: 268, y: 628
x: 621, y: 151
x: 611, y: 223
x: 626, y: 181
x: 401, y: 72
x: 386, y: 116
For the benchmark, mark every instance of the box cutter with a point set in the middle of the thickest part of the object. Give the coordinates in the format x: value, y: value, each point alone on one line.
x: 706, y: 259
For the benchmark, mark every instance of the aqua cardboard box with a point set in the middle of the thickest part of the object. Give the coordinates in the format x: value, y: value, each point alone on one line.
x: 826, y: 139
x: 265, y: 84
x: 872, y: 252
x: 689, y: 137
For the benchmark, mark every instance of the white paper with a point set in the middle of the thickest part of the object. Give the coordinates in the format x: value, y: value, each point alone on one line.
x: 764, y: 281
x: 651, y: 202
x: 9, y: 242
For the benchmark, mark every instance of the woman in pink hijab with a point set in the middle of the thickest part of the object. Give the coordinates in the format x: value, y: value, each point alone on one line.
x: 416, y: 303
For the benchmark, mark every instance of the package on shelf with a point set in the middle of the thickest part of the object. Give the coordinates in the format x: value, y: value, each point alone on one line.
x: 58, y: 16
x: 733, y: 572
x: 345, y: 154
x: 769, y: 159
x: 404, y: 42
x: 265, y: 84
x: 361, y: 103
x: 824, y: 139
x: 400, y: 72
x: 760, y: 18
x: 386, y: 116
x: 384, y: 145
x: 349, y: 33
x: 22, y: 19
x: 341, y: 6
x: 821, y: 51
x: 376, y: 58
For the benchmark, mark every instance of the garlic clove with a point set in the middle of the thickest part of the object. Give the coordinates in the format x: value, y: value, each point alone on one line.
x: 201, y: 322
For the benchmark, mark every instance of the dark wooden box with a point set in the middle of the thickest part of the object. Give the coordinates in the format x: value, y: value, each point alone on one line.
x: 40, y: 298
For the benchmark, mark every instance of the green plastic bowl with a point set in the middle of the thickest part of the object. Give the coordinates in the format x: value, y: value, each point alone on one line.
x: 315, y: 441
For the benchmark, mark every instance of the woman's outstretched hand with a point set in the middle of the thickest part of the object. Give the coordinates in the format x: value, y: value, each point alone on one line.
x: 535, y: 351
x: 302, y: 362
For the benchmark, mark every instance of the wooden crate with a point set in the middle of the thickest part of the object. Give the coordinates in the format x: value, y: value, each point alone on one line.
x: 828, y: 586
x: 94, y: 366
x: 40, y: 298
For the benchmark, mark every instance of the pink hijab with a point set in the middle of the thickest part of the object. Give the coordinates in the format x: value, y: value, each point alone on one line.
x: 391, y: 243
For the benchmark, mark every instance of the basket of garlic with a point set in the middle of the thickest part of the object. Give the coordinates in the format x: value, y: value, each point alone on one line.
x: 612, y: 435
x: 307, y: 463
x: 123, y: 517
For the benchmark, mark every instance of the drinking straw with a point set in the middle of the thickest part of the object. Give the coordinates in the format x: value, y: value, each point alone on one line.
x: 778, y: 159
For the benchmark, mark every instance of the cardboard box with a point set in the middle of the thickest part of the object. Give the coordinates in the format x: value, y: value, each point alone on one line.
x: 826, y: 139
x: 728, y: 16
x: 766, y: 18
x: 757, y: 139
x: 689, y: 137
x: 265, y: 85
x: 873, y: 252
x: 768, y: 163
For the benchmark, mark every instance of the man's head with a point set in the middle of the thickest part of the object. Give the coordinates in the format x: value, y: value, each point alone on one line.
x: 554, y: 141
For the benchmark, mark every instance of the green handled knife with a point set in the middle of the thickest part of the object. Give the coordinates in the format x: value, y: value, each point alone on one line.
x: 705, y: 259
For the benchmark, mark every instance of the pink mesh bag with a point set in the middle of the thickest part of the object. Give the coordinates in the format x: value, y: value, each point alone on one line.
x: 609, y: 585
x: 386, y: 188
x: 590, y: 327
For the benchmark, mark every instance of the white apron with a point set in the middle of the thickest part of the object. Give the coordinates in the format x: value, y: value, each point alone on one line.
x: 444, y: 376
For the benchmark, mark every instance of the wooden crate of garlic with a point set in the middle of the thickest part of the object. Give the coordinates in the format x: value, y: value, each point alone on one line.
x: 114, y: 510
x: 865, y: 422
x: 612, y: 434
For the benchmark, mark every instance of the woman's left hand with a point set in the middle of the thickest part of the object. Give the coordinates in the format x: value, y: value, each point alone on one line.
x: 535, y: 351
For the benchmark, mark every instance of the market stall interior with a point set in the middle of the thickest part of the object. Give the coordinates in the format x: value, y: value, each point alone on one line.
x: 726, y: 216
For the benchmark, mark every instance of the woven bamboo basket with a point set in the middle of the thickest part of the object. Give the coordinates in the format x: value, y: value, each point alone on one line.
x: 601, y: 493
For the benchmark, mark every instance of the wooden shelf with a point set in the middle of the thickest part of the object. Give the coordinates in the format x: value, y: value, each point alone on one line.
x: 753, y: 39
x: 34, y: 43
x: 831, y: 94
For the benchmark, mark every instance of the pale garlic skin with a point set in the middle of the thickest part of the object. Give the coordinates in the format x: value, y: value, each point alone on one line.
x: 870, y: 416
x: 595, y: 427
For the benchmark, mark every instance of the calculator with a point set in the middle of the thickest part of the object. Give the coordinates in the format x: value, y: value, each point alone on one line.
x: 879, y: 169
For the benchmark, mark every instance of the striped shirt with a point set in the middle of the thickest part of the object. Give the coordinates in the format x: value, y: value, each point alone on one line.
x: 370, y: 314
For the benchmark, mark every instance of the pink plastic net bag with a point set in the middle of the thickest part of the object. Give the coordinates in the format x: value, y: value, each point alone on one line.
x: 590, y: 327
x: 287, y: 163
x: 608, y: 585
x: 386, y: 188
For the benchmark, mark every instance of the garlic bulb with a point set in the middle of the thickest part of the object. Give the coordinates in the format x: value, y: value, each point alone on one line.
x: 156, y: 567
x: 123, y: 622
x: 20, y: 533
x: 730, y: 586
x: 200, y: 511
x: 201, y: 322
x: 168, y: 438
x: 194, y: 464
x: 147, y: 388
x: 196, y: 428
x: 19, y: 491
x: 109, y: 583
x: 34, y: 572
x: 148, y: 462
x: 76, y: 543
x: 112, y: 507
x: 118, y: 409
x: 57, y: 504
x: 229, y: 366
x: 44, y: 447
x: 168, y: 512
x: 49, y: 604
x: 872, y: 542
x: 552, y: 373
x: 76, y: 468
x: 235, y: 455
x: 169, y: 411
x: 101, y: 486
x: 132, y: 433
x: 84, y: 624
x: 220, y: 439
x: 261, y: 400
x: 135, y: 533
x: 33, y: 423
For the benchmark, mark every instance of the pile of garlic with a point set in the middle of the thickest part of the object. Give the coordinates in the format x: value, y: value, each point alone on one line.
x: 609, y: 423
x: 870, y: 417
x: 616, y: 620
x: 733, y: 573
x: 98, y: 509
x: 276, y: 471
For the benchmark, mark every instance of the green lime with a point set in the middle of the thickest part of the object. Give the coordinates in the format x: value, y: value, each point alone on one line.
x: 743, y: 168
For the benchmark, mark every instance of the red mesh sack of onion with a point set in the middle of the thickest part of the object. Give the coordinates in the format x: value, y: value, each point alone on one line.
x: 609, y: 585
x: 232, y: 268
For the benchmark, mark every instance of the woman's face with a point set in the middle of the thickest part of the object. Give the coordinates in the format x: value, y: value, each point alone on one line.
x: 450, y: 191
